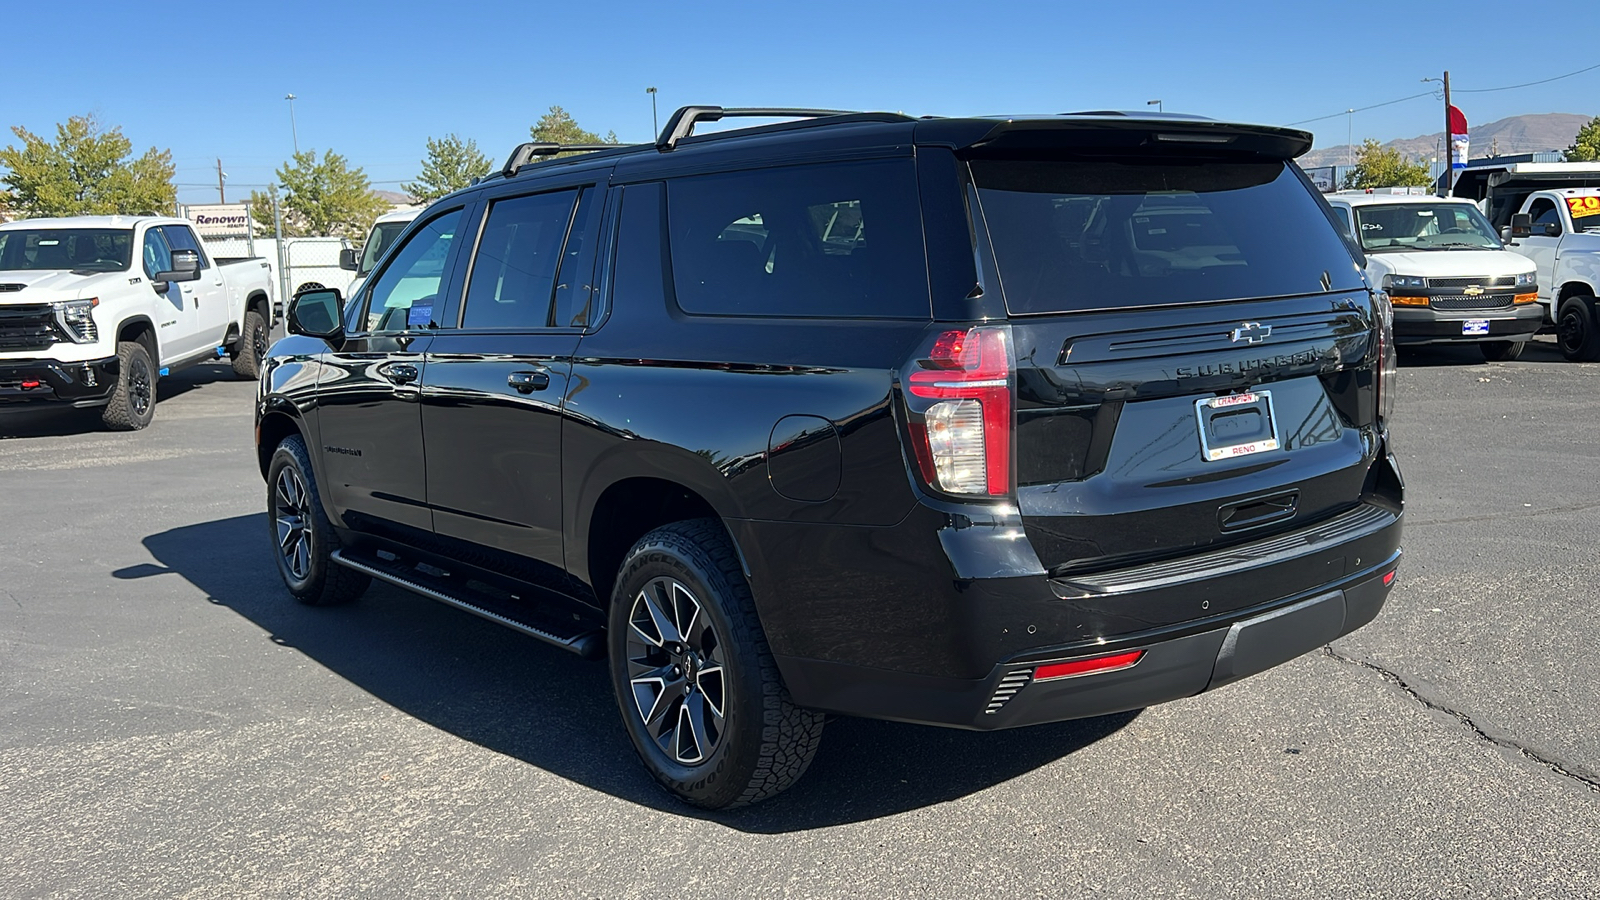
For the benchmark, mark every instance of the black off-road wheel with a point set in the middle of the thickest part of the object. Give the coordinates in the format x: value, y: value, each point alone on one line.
x: 1501, y: 351
x: 699, y: 692
x: 302, y: 537
x: 251, y: 347
x: 133, y: 400
x: 1576, y: 334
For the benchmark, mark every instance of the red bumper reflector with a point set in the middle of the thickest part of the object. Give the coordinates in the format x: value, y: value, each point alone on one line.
x: 1092, y: 666
x: 1388, y: 578
x: 29, y: 385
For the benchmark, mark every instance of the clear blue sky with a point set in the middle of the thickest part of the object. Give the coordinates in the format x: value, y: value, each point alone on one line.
x: 374, y: 80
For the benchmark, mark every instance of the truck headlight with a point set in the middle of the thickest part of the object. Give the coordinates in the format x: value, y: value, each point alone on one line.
x: 76, y: 318
x: 1392, y: 282
x: 1527, y: 278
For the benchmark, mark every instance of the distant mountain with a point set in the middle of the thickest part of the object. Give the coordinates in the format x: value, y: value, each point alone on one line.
x: 395, y: 198
x: 1517, y: 134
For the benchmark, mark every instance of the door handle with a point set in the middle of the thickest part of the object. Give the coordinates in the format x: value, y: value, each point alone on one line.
x: 528, y: 382
x: 399, y: 373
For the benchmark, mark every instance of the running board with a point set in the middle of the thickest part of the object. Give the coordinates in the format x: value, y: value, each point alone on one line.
x: 588, y: 643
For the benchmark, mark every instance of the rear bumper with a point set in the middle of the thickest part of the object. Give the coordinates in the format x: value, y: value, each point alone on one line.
x: 1421, y: 325
x: 83, y: 383
x: 1205, y: 656
x: 870, y: 622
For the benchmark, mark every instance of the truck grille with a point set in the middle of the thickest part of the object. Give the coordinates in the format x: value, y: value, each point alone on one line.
x: 1482, y: 301
x: 26, y: 327
x: 1484, y: 282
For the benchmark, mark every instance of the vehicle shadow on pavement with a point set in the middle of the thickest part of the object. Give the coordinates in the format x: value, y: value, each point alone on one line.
x: 67, y: 422
x: 1538, y: 352
x: 510, y: 694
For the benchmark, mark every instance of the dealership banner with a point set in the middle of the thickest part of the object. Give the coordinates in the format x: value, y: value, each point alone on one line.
x: 213, y: 221
x: 1458, y: 139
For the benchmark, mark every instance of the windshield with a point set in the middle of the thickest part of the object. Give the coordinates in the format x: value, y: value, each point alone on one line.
x: 1424, y: 226
x: 74, y: 249
x: 1074, y: 235
x: 383, y: 234
x: 1585, y: 213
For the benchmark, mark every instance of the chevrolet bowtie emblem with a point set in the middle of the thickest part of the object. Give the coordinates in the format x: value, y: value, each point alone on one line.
x: 1473, y: 290
x: 1251, y: 332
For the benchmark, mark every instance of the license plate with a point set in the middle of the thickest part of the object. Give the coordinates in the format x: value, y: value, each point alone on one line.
x: 1236, y: 425
x: 1475, y: 326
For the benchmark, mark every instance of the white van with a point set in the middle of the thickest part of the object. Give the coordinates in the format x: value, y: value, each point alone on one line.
x: 384, y: 231
x: 1448, y: 276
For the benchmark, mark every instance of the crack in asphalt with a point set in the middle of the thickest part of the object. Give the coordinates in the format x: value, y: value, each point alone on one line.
x: 1555, y: 766
x: 1489, y: 517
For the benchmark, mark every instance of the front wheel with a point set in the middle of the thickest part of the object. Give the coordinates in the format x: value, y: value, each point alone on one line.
x: 303, y: 539
x: 1501, y: 351
x: 133, y: 400
x: 699, y: 691
x: 1575, y: 330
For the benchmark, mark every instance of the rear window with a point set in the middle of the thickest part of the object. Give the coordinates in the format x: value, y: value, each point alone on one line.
x: 833, y: 240
x: 1092, y: 234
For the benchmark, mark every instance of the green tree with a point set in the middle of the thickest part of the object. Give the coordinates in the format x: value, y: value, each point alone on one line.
x: 450, y: 165
x: 1379, y: 166
x: 323, y: 198
x: 86, y: 171
x: 1586, y: 147
x: 559, y: 127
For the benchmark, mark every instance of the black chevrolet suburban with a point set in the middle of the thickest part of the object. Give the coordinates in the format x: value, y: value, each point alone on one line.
x: 976, y: 422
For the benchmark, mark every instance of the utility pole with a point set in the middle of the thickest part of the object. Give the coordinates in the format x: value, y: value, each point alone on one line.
x: 1449, y: 142
x: 222, y: 195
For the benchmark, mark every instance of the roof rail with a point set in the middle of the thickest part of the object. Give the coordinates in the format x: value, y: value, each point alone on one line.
x: 525, y: 153
x: 681, y: 123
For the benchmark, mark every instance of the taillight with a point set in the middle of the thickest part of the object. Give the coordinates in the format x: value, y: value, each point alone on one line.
x: 963, y: 441
x: 1388, y: 358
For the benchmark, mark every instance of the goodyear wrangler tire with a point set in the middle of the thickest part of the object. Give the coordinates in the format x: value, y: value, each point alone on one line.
x: 302, y: 537
x: 699, y: 692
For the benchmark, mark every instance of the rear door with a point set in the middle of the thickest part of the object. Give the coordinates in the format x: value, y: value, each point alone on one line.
x: 369, y: 391
x: 1193, y: 349
x: 497, y: 380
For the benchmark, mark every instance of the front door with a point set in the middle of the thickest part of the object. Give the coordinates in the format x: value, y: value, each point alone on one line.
x: 209, y: 293
x: 494, y: 389
x: 1541, y: 248
x: 369, y: 391
x: 178, y: 333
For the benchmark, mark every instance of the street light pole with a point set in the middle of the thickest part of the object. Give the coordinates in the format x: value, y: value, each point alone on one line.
x: 293, y: 132
x: 654, y: 125
x: 1350, y: 137
x: 1157, y: 104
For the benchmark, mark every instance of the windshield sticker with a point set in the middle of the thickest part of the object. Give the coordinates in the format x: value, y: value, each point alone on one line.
x: 420, y: 316
x: 1583, y: 206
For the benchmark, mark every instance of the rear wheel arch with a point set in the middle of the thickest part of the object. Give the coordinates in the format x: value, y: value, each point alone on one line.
x: 627, y: 510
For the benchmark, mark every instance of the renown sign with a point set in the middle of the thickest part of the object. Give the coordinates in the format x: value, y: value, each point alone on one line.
x: 230, y: 220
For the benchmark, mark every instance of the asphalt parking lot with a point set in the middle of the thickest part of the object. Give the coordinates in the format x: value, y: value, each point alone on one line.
x: 172, y: 725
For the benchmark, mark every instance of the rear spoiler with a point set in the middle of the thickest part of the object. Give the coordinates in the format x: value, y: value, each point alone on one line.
x: 1112, y: 132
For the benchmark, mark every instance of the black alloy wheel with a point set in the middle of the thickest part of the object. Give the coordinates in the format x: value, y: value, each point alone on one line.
x: 696, y: 683
x: 676, y: 671
x: 1575, y: 330
x: 291, y: 515
x: 141, y: 393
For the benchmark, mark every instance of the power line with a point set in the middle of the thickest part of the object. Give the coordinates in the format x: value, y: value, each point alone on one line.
x: 1346, y: 112
x: 1512, y: 87
x: 1435, y: 94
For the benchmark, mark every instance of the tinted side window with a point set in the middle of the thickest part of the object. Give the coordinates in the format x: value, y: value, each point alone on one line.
x: 157, y: 257
x: 1544, y: 213
x: 573, y: 290
x: 834, y: 240
x: 179, y: 237
x: 404, y: 294
x: 514, y: 271
x: 638, y: 272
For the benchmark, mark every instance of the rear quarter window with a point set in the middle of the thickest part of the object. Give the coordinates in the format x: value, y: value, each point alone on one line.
x: 1072, y: 235
x: 836, y: 240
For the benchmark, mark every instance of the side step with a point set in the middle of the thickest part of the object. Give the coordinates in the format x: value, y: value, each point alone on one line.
x: 576, y: 636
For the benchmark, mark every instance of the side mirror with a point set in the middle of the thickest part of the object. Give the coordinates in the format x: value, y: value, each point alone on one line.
x: 185, y: 267
x: 317, y: 313
x: 1552, y: 229
x: 347, y: 259
x: 1521, y: 225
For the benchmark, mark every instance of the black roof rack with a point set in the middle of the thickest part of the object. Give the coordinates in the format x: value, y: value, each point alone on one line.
x: 525, y: 153
x: 681, y: 123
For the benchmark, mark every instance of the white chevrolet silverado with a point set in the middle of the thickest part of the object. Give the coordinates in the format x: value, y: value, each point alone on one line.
x: 95, y: 309
x: 1559, y: 230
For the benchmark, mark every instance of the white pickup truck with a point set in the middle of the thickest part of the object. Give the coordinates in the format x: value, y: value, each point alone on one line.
x: 1560, y: 231
x: 94, y: 310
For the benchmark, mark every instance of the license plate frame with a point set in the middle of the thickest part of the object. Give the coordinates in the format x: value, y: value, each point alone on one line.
x: 1215, y: 446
